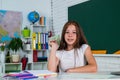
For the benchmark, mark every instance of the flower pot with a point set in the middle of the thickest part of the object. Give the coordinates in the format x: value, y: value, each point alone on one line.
x: 26, y: 33
x: 27, y: 46
x: 15, y: 58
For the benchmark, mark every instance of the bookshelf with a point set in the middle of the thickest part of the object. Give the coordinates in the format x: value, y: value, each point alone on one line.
x: 37, y: 54
x: 40, y: 49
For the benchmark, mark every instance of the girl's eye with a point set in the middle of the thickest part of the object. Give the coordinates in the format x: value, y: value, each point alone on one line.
x: 74, y: 32
x: 66, y: 32
x: 71, y: 32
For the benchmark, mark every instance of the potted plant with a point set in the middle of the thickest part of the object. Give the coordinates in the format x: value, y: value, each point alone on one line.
x: 14, y: 45
x: 2, y: 47
x: 26, y: 32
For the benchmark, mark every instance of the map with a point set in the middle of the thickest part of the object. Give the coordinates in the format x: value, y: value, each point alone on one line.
x: 10, y: 24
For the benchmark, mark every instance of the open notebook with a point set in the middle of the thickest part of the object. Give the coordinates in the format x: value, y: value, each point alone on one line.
x: 42, y: 73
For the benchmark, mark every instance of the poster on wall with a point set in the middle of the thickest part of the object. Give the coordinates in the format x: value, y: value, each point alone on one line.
x: 10, y: 24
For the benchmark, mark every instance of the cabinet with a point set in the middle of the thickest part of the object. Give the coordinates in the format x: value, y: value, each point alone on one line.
x: 107, y: 62
x: 10, y: 67
x: 13, y: 67
x: 37, y: 55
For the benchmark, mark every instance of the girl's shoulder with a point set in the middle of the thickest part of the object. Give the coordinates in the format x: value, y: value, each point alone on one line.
x: 59, y: 53
x: 83, y: 47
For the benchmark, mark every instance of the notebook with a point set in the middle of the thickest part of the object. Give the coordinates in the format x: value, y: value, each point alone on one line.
x: 18, y: 74
x: 41, y: 73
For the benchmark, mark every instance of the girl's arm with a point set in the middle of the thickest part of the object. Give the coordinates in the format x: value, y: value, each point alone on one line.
x: 90, y: 67
x: 53, y: 60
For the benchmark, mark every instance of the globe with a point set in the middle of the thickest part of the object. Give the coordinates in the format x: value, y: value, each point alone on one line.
x: 33, y: 16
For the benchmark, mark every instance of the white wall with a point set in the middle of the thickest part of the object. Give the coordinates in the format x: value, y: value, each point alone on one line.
x: 25, y: 6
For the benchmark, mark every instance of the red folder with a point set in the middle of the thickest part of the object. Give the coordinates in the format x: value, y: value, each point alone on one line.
x: 35, y: 58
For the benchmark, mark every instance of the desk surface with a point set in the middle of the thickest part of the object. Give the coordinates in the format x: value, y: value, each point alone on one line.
x: 79, y: 76
x: 86, y: 76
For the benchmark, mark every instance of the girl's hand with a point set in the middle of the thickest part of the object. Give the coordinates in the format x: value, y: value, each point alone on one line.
x: 53, y: 44
x: 68, y: 70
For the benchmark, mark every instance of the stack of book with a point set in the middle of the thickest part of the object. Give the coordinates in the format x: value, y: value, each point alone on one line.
x: 30, y: 74
x: 20, y: 76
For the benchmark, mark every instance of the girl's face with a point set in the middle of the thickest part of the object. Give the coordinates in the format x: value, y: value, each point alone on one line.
x: 70, y: 35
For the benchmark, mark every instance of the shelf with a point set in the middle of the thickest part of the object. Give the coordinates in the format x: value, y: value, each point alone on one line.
x: 43, y: 62
x: 41, y: 49
x: 13, y: 63
x: 39, y: 25
x: 8, y: 71
x: 28, y: 50
x: 27, y: 37
x: 42, y: 59
x: 36, y: 50
x: 107, y: 55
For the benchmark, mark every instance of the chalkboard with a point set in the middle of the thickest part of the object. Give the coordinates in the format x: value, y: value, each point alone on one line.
x: 100, y: 21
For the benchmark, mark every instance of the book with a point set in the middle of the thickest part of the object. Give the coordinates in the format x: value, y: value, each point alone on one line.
x: 46, y: 40
x: 31, y: 74
x: 41, y: 40
x: 35, y: 54
x: 39, y: 43
x: 18, y: 75
x: 34, y: 41
x: 27, y: 77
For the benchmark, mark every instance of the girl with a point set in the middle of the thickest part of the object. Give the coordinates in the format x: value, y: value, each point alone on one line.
x: 73, y: 54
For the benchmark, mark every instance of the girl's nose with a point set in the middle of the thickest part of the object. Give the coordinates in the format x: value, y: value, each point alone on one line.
x: 70, y: 34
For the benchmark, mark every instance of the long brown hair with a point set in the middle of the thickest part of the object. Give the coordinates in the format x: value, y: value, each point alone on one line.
x: 80, y: 36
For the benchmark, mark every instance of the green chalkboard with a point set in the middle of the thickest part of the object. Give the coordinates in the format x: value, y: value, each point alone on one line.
x: 100, y: 20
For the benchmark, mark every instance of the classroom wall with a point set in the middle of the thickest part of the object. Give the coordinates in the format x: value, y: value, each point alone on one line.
x: 25, y: 6
x: 60, y: 16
